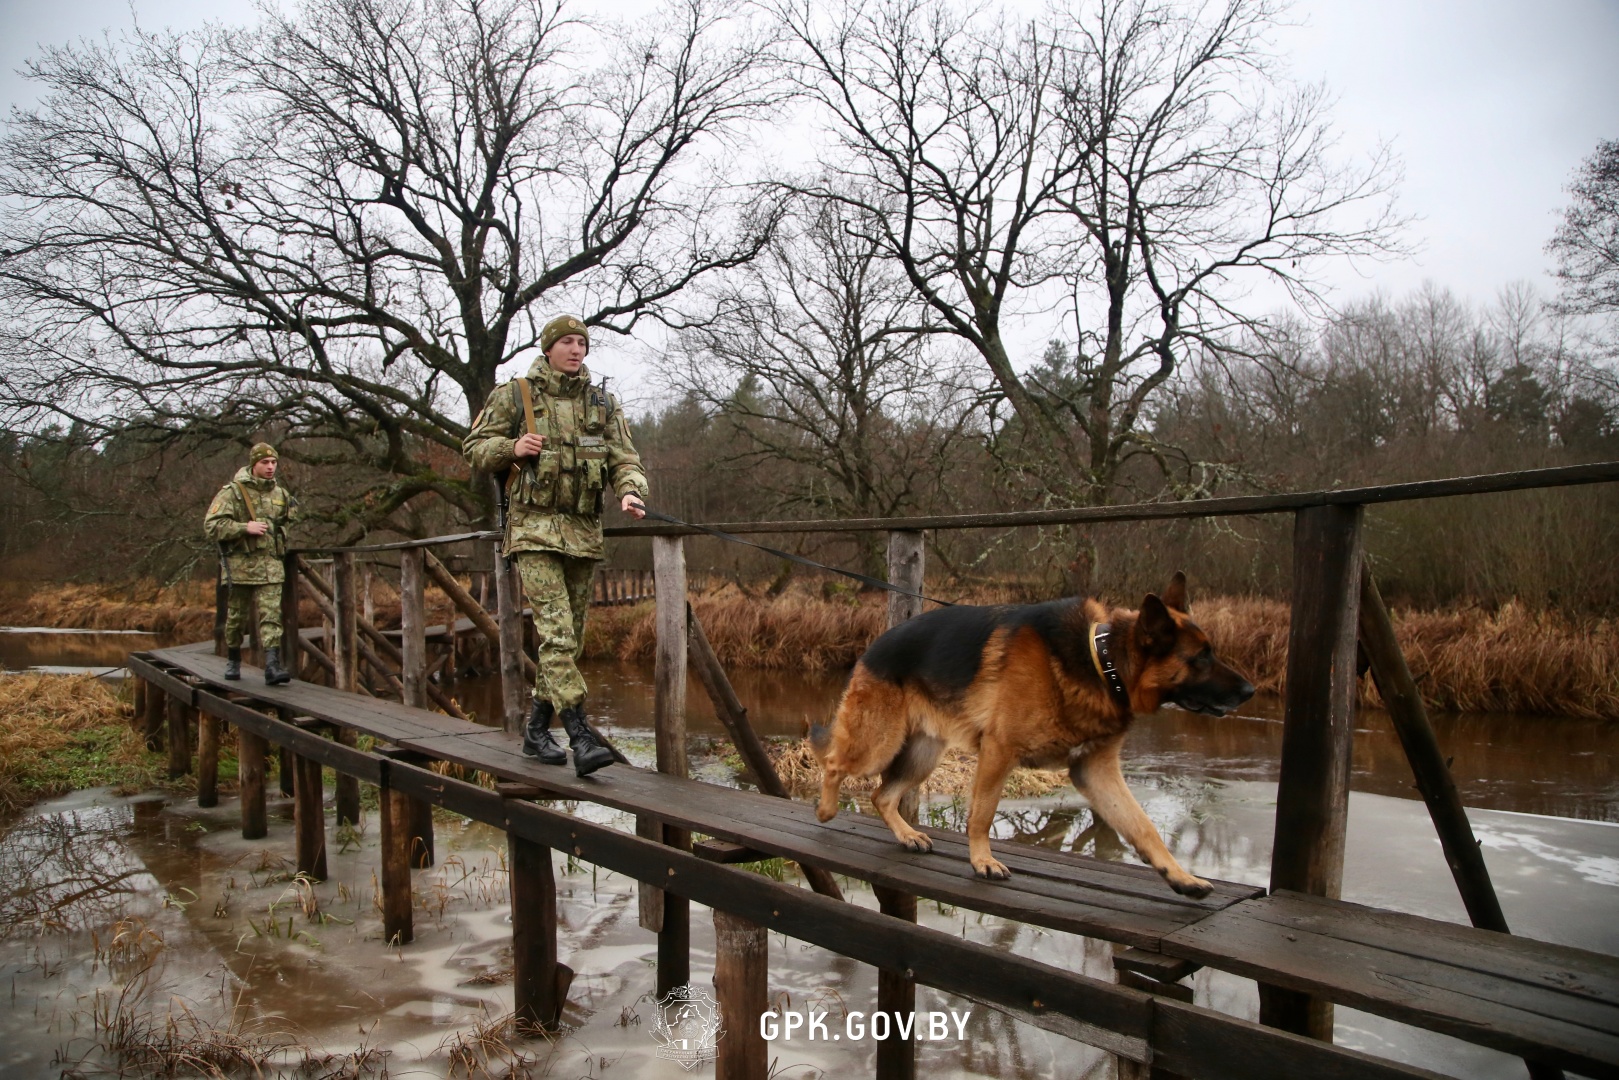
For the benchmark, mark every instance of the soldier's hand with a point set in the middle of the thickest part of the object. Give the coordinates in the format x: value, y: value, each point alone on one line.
x: 633, y: 506
x: 528, y: 445
x: 257, y: 528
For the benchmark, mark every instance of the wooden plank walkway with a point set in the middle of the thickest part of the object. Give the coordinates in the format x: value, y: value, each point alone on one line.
x: 1526, y: 997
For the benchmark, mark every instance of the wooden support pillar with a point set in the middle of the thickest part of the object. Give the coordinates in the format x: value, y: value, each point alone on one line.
x: 1312, y: 796
x: 179, y: 738
x: 539, y: 983
x: 397, y: 925
x: 514, y: 695
x: 896, y: 992
x: 310, y: 818
x: 153, y: 717
x: 669, y: 718
x: 291, y: 641
x: 208, y: 730
x: 286, y: 771
x: 347, y: 800
x: 251, y: 752
x: 741, y: 966
x: 137, y: 703
x: 896, y: 995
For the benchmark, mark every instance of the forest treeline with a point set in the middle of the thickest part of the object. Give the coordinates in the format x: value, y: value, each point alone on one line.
x: 1389, y: 391
x: 878, y: 259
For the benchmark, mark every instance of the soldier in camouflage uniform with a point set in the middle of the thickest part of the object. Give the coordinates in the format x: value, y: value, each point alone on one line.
x: 559, y: 443
x: 248, y: 520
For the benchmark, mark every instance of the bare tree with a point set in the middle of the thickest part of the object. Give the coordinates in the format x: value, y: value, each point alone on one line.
x: 1147, y: 156
x: 339, y: 224
x: 818, y: 353
x: 1586, y: 244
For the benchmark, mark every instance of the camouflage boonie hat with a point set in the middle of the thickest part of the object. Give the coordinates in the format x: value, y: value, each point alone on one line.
x: 261, y: 451
x: 560, y: 327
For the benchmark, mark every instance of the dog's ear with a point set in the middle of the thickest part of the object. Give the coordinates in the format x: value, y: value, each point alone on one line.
x: 1155, y: 631
x: 1175, y: 595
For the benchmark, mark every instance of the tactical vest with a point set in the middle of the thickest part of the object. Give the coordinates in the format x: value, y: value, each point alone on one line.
x: 570, y: 472
x: 271, y: 507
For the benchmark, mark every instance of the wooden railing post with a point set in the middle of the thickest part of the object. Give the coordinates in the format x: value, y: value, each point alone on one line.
x: 291, y: 641
x: 412, y: 629
x: 514, y: 693
x: 669, y: 718
x: 221, y: 599
x: 1312, y: 796
x: 896, y: 992
x: 414, y: 686
x: 347, y: 658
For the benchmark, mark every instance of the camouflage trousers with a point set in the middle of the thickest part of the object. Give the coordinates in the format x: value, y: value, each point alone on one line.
x: 558, y: 589
x: 238, y: 610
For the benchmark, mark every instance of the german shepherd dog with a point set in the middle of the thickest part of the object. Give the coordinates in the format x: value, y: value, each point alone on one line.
x: 1044, y: 685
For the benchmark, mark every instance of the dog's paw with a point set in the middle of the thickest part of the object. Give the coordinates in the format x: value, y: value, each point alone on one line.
x: 991, y: 870
x: 917, y: 843
x: 1187, y: 885
x: 825, y: 813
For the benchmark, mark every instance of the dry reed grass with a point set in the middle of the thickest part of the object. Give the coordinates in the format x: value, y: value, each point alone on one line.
x: 1509, y: 659
x: 61, y: 733
x: 184, y: 611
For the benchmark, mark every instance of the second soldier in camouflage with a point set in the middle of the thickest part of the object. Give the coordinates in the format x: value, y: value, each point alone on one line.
x: 561, y: 445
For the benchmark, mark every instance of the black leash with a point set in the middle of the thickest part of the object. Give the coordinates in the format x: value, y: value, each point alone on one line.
x: 876, y: 583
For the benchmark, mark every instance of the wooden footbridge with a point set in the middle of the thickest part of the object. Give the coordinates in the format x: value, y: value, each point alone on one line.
x: 1555, y: 1007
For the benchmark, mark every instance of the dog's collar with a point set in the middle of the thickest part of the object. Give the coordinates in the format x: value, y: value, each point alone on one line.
x: 1102, y: 657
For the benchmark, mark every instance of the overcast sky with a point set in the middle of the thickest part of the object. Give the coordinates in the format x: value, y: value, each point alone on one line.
x: 1491, y: 105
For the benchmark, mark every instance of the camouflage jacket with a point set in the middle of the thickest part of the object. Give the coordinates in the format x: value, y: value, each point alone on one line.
x: 555, y: 500
x: 250, y: 560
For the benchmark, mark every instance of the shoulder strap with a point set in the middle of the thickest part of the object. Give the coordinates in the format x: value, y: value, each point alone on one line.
x: 527, y: 395
x: 241, y: 490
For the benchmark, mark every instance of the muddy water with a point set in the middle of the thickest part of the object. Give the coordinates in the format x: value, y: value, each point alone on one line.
x: 144, y: 911
x: 32, y: 648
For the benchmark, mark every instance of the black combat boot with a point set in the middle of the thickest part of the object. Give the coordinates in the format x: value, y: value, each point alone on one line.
x: 233, y: 664
x: 588, y: 754
x: 537, y: 740
x: 274, y: 673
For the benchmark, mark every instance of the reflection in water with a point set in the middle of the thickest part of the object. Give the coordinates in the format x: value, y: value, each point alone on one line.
x: 100, y: 650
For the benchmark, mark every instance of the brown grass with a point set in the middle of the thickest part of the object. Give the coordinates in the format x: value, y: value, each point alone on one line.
x: 1468, y: 658
x: 61, y: 733
x: 184, y: 611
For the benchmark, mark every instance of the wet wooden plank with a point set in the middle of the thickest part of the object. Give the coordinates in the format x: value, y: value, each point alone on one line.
x: 762, y: 823
x: 1262, y: 939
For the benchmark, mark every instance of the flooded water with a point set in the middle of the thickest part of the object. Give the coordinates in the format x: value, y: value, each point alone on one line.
x: 131, y: 921
x: 70, y: 652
